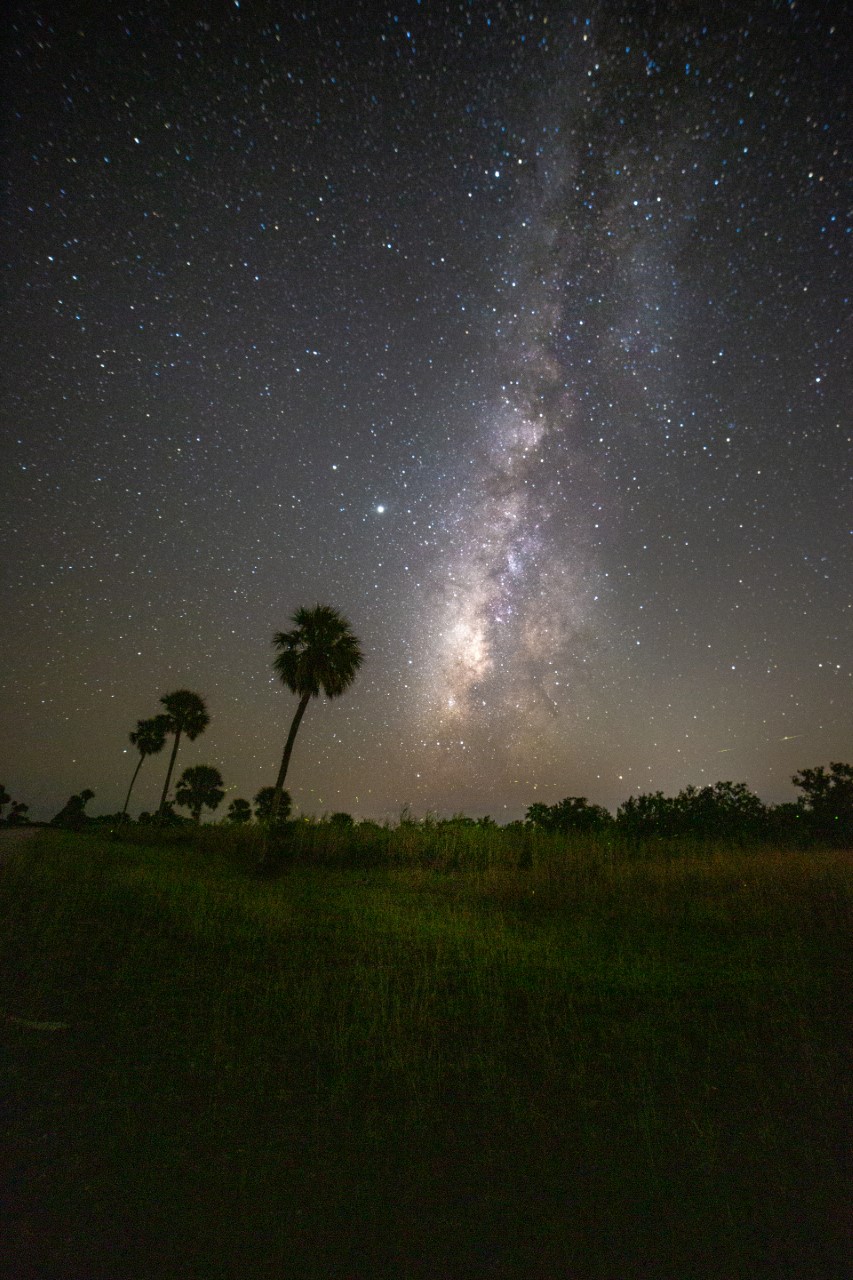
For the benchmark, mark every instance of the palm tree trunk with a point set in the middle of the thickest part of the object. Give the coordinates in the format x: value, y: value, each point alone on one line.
x: 285, y: 759
x: 169, y: 774
x: 130, y: 788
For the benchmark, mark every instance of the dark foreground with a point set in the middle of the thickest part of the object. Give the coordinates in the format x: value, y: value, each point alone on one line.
x: 575, y: 1069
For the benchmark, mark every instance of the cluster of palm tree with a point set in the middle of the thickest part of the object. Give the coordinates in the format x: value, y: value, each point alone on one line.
x: 320, y: 654
x: 185, y: 715
x: 240, y: 811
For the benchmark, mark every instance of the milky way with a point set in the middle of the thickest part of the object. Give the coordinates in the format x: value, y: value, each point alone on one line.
x: 518, y: 334
x: 516, y: 583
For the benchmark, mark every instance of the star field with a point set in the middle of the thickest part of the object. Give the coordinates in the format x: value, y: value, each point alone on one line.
x: 518, y: 334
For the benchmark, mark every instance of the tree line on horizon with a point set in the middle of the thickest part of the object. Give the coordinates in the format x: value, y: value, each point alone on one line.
x: 321, y: 654
x: 724, y: 811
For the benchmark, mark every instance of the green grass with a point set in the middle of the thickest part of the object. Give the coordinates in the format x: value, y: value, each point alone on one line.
x: 586, y: 1065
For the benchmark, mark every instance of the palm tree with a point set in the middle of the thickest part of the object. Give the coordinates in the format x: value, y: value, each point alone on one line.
x: 186, y: 713
x: 263, y: 804
x: 320, y: 654
x: 239, y: 810
x: 199, y: 787
x: 149, y: 738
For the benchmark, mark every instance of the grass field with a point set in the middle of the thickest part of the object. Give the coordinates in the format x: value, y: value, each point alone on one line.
x: 540, y: 1059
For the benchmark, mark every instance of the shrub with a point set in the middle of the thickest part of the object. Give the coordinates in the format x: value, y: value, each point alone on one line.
x: 828, y: 800
x: 575, y: 813
x: 73, y: 816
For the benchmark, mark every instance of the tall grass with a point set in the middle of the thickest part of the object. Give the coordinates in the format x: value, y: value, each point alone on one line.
x: 440, y: 845
x: 424, y: 1052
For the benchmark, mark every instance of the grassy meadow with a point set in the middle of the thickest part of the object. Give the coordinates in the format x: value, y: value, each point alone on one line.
x: 422, y: 1053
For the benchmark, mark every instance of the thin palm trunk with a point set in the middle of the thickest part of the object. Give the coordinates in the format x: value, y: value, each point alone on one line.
x: 130, y: 788
x: 169, y: 774
x: 285, y: 759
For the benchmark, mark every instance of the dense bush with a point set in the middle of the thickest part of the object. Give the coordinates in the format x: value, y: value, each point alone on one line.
x: 727, y: 810
x: 164, y: 817
x: 575, y: 813
x: 828, y: 801
x: 72, y: 816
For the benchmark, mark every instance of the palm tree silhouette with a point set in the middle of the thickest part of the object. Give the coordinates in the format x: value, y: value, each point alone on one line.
x: 149, y: 738
x: 185, y: 713
x: 321, y: 653
x: 200, y: 787
x: 263, y: 805
x: 239, y: 811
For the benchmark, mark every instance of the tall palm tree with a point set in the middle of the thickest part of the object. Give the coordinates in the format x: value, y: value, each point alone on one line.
x: 186, y: 713
x: 149, y: 738
x: 200, y: 787
x: 321, y: 654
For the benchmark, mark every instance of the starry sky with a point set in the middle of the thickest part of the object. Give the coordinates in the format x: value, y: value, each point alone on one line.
x: 516, y: 332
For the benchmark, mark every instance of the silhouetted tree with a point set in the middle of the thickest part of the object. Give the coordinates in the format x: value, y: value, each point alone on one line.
x: 199, y: 787
x: 73, y: 815
x: 149, y: 738
x: 341, y: 820
x: 263, y: 805
x: 828, y: 799
x: 320, y: 654
x: 653, y: 814
x: 724, y: 810
x: 17, y: 816
x: 165, y: 817
x: 239, y: 810
x: 575, y: 813
x: 789, y: 822
x: 186, y: 714
x: 107, y: 819
x: 4, y: 798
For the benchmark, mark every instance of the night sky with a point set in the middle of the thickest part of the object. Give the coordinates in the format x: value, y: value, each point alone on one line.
x: 515, y: 332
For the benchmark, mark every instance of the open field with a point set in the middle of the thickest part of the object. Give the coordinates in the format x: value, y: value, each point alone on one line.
x: 539, y: 1059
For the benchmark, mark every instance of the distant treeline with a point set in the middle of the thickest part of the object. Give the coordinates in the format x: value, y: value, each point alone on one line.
x: 726, y: 810
x: 321, y: 654
x: 823, y: 813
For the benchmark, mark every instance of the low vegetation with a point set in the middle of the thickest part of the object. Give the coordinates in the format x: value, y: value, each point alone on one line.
x: 430, y: 1049
x: 579, y: 1045
x: 729, y: 811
